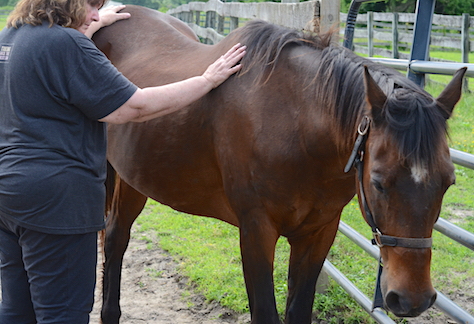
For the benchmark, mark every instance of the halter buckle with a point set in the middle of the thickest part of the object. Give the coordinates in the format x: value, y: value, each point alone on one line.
x: 364, y: 126
x: 376, y: 240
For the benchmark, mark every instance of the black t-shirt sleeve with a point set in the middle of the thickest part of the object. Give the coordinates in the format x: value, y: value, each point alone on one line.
x: 94, y: 85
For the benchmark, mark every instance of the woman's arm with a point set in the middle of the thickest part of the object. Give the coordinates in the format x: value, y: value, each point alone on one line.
x: 152, y: 102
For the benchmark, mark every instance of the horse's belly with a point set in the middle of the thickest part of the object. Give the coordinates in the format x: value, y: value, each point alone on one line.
x: 172, y: 167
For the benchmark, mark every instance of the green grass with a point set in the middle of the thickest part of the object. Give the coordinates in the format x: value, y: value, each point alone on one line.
x: 208, y: 250
x: 3, y: 21
x: 3, y: 18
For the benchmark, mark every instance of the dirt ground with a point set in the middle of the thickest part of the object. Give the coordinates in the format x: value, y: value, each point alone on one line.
x: 153, y: 292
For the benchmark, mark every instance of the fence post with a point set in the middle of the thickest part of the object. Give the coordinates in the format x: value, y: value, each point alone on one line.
x: 395, y: 54
x: 465, y: 46
x: 233, y: 24
x: 329, y: 16
x: 189, y: 17
x: 198, y: 18
x: 370, y: 33
x: 220, y: 24
x: 210, y: 23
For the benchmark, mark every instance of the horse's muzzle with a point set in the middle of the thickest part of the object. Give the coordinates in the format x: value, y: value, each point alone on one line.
x: 403, y: 306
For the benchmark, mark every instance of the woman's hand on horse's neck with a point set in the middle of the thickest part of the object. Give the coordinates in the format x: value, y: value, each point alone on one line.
x: 153, y: 102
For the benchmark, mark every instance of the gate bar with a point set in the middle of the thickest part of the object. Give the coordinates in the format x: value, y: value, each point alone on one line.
x: 452, y: 310
x: 356, y: 294
x: 455, y: 233
x: 462, y: 158
x: 445, y: 68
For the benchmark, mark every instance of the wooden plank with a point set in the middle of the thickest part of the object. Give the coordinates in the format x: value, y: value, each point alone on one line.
x: 446, y: 41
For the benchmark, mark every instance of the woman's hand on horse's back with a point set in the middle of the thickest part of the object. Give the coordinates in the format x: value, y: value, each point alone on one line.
x: 225, y: 66
x: 107, y: 16
x: 111, y: 14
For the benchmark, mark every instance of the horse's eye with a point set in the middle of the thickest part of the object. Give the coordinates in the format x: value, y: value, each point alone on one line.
x: 378, y: 186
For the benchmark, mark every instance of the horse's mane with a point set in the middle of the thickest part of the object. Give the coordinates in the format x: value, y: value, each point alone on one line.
x: 265, y: 42
x: 410, y: 115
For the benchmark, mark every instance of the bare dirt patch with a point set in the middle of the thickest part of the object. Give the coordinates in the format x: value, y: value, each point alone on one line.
x: 154, y: 292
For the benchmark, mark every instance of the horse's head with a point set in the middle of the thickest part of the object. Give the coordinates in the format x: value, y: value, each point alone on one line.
x: 404, y: 174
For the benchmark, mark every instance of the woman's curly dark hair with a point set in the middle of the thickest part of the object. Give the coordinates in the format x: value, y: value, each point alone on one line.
x: 66, y: 13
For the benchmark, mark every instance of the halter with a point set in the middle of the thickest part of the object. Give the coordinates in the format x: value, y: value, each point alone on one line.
x: 379, y: 239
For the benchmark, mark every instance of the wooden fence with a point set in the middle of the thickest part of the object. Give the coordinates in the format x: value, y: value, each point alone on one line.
x: 214, y: 19
x: 386, y: 33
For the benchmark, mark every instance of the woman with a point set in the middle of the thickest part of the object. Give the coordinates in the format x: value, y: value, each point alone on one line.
x: 56, y: 92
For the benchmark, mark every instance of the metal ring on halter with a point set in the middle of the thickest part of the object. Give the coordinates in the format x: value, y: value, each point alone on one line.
x: 363, y: 131
x: 376, y: 239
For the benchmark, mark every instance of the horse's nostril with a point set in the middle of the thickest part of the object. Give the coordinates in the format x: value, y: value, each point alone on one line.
x: 392, y: 299
x: 403, y: 307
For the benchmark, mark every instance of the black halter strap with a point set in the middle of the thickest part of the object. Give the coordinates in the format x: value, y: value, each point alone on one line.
x: 357, y: 159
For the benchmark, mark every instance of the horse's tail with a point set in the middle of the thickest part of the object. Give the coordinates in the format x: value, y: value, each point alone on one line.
x: 109, y: 194
x: 109, y: 187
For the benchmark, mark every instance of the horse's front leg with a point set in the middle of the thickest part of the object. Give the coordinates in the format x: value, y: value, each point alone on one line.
x: 308, y: 253
x: 127, y: 204
x: 258, y: 238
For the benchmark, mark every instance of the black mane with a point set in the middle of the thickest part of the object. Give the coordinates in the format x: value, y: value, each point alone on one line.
x: 411, y: 116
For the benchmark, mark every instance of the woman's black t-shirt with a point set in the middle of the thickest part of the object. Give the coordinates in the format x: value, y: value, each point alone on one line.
x: 54, y: 86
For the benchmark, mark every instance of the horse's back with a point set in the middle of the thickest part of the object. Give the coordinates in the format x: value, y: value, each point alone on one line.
x: 143, y: 24
x: 147, y: 41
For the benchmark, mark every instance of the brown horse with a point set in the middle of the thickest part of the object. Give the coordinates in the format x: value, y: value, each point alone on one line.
x: 266, y: 152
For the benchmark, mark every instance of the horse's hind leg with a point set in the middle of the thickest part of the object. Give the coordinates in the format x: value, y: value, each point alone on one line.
x: 308, y: 253
x: 127, y: 204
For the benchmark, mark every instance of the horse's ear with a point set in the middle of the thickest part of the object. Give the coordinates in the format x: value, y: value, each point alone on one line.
x: 375, y: 97
x: 452, y: 93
